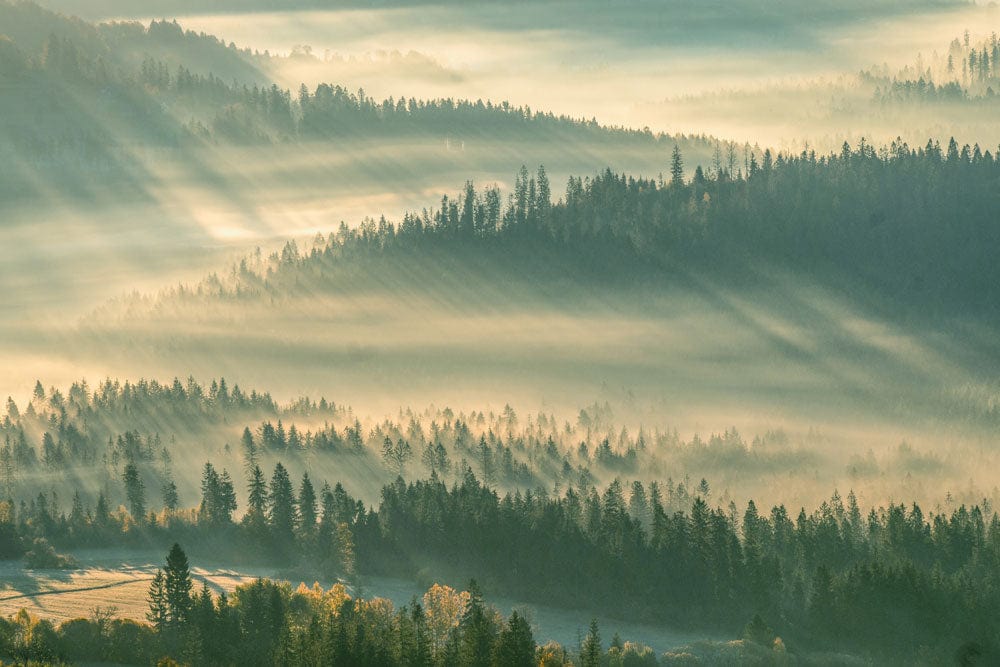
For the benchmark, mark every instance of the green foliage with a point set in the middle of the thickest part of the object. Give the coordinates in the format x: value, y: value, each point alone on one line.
x: 177, y: 586
x: 135, y: 492
x: 591, y: 652
x: 157, y: 599
x: 282, y: 518
x: 43, y: 556
x: 758, y: 631
x: 516, y: 645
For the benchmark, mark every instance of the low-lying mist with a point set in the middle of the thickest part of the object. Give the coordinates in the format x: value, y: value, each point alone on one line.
x: 668, y: 67
x: 831, y: 391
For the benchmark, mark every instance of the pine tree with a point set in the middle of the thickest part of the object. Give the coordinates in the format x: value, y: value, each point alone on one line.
x: 208, y: 510
x: 396, y: 454
x: 516, y: 645
x: 102, y: 516
x: 177, y: 586
x: 249, y: 449
x: 345, y: 548
x: 157, y: 599
x: 421, y: 655
x: 591, y: 652
x: 307, y: 507
x: 257, y: 495
x: 171, y: 499
x: 477, y: 630
x: 282, y: 517
x: 676, y: 168
x: 543, y: 205
x: 135, y: 493
x: 227, y: 498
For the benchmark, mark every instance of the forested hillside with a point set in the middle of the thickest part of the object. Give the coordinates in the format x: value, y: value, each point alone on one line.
x: 897, y: 236
x: 674, y: 553
x: 100, y: 107
x: 913, y: 225
x: 736, y: 398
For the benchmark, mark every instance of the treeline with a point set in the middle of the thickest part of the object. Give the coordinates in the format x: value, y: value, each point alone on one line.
x: 85, y: 426
x: 968, y: 72
x: 167, y: 85
x: 910, y: 227
x: 125, y: 44
x: 101, y: 443
x: 920, y: 91
x: 880, y: 582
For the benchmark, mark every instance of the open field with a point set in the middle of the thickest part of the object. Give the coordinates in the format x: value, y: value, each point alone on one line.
x: 64, y: 594
x: 120, y: 580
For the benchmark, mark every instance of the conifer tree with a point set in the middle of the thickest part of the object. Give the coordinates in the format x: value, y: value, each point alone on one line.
x: 177, y: 586
x: 157, y: 600
x: 135, y: 493
x: 676, y: 168
x: 307, y: 507
x: 591, y: 651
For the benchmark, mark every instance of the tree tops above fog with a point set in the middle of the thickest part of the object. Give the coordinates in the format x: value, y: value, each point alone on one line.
x: 917, y: 226
x: 968, y: 72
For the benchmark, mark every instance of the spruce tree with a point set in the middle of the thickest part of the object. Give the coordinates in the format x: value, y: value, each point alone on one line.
x: 591, y: 652
x: 307, y: 507
x: 516, y: 645
x: 477, y: 630
x: 282, y: 518
x: 177, y: 586
x: 135, y: 492
x: 676, y: 168
x: 257, y: 494
x: 157, y: 600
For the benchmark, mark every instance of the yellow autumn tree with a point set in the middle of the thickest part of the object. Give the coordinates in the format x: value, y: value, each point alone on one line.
x: 444, y: 607
x: 336, y: 597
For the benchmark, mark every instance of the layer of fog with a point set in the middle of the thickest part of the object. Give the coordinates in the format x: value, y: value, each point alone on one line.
x: 845, y: 386
x: 684, y: 71
x: 63, y: 256
x: 628, y: 65
x: 793, y: 357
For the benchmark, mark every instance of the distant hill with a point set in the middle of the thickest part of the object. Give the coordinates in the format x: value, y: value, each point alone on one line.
x: 95, y: 106
x: 725, y: 289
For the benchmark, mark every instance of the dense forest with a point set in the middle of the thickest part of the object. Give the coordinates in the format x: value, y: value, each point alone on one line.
x: 911, y: 228
x: 517, y: 511
x: 839, y: 306
x: 266, y: 622
x: 88, y: 439
x: 875, y: 583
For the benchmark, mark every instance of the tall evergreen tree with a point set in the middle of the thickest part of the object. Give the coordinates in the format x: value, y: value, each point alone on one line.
x: 676, y: 168
x: 177, y: 586
x: 591, y: 651
x: 135, y: 492
x: 516, y: 645
x: 257, y: 495
x: 282, y: 517
x: 157, y: 601
x: 477, y: 630
x: 307, y: 507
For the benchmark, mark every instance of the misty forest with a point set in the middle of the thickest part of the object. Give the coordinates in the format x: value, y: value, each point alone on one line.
x: 529, y: 333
